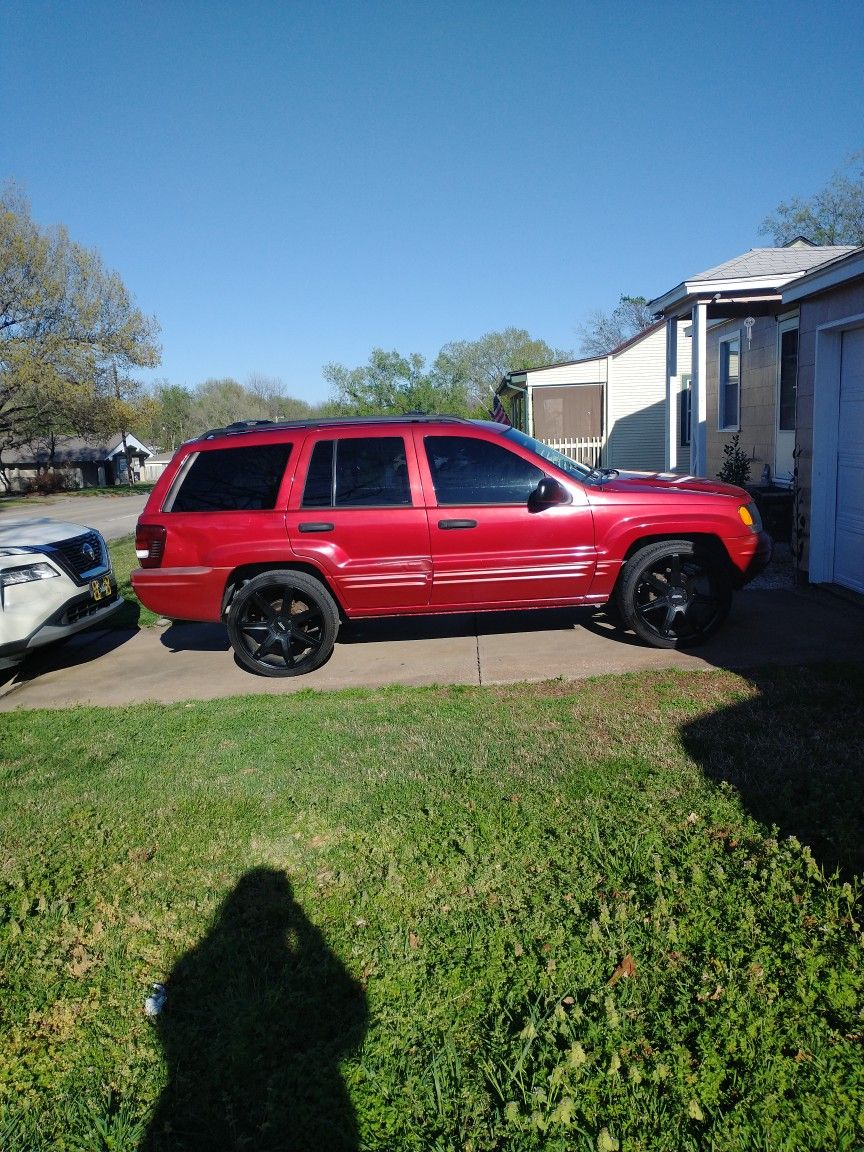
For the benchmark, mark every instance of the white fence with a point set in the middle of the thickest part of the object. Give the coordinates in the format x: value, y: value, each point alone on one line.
x: 585, y: 449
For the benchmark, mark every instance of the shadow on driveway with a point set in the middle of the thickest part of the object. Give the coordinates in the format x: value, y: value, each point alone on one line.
x: 81, y: 649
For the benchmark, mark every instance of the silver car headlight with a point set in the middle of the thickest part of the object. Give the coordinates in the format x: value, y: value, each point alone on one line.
x: 24, y: 575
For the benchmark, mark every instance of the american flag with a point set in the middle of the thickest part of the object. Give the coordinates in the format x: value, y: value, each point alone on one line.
x: 497, y: 412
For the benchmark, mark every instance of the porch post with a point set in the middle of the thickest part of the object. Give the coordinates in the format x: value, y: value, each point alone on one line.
x: 699, y: 387
x: 671, y: 394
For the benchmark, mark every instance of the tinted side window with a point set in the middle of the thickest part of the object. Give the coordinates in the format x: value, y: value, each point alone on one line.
x: 368, y: 472
x: 466, y: 471
x: 233, y: 479
x: 318, y: 492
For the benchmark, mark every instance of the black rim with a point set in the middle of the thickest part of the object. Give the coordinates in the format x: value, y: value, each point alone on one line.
x: 679, y: 598
x: 281, y: 627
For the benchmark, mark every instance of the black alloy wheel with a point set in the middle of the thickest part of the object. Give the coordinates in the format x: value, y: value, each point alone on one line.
x: 283, y: 623
x: 672, y: 596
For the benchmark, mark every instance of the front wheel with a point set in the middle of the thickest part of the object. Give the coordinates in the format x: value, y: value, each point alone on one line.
x: 283, y: 623
x: 672, y: 596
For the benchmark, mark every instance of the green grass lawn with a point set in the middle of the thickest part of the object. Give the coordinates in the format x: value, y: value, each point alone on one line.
x: 595, y: 916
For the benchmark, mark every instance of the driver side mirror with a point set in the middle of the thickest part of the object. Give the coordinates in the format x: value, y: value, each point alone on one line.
x: 547, y: 494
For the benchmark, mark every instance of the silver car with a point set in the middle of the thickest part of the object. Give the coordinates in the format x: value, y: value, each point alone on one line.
x: 55, y: 580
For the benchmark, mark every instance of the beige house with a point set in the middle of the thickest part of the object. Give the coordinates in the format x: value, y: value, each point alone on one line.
x: 739, y: 374
x: 607, y: 410
x: 777, y: 356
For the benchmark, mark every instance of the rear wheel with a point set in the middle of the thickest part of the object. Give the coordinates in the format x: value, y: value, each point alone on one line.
x: 673, y: 596
x: 283, y: 623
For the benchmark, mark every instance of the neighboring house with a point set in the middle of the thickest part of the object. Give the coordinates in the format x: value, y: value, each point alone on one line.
x: 830, y: 419
x: 87, y: 463
x: 605, y: 409
x: 740, y: 372
x: 155, y: 465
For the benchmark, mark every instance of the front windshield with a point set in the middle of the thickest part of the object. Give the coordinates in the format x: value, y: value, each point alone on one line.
x: 551, y: 454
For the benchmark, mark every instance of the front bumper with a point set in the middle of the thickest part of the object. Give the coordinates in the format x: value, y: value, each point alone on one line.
x: 760, y: 559
x: 74, y: 615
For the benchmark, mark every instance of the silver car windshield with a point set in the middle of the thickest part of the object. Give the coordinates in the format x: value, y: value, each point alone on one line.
x: 581, y: 471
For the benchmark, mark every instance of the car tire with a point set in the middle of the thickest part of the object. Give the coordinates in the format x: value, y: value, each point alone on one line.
x: 673, y: 595
x: 283, y: 623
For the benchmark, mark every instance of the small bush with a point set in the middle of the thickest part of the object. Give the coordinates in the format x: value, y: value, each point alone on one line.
x: 736, y: 463
x: 48, y: 482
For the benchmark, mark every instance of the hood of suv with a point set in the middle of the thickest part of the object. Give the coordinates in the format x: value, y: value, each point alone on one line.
x: 631, y: 483
x: 35, y: 531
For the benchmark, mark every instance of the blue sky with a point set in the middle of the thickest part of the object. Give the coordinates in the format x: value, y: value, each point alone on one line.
x: 286, y: 184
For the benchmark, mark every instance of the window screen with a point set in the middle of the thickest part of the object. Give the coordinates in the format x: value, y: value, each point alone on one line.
x: 233, y: 479
x: 358, y: 473
x: 466, y: 471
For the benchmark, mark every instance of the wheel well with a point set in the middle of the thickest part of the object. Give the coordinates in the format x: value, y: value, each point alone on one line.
x: 704, y: 542
x: 246, y: 572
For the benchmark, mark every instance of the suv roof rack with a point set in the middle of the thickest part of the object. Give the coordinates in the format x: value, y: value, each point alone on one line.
x: 239, y: 427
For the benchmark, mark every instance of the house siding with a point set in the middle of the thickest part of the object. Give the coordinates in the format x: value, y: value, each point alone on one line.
x: 636, y: 406
x: 758, y: 387
x: 580, y: 372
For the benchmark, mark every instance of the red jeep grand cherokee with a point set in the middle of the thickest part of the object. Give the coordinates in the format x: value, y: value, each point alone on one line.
x: 282, y: 529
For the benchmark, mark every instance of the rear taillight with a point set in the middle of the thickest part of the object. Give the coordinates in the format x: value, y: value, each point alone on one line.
x: 149, y: 544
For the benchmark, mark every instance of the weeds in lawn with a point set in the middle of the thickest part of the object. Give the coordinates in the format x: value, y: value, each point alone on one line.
x: 522, y: 918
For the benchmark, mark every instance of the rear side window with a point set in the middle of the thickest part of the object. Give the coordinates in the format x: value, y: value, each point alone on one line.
x: 233, y: 479
x: 358, y: 473
x: 467, y: 471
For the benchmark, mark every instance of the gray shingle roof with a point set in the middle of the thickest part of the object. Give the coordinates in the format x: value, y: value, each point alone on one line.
x: 774, y: 262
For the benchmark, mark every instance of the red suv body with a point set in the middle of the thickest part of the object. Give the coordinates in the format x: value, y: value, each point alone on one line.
x: 282, y: 530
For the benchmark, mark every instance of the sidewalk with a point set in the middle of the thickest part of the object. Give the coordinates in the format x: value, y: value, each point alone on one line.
x: 776, y: 624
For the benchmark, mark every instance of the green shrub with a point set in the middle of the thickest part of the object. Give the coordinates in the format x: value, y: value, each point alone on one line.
x: 736, y: 463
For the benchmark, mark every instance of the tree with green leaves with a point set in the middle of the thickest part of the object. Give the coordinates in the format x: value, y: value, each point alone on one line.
x: 833, y: 215
x: 603, y: 331
x: 478, y: 366
x: 460, y: 381
x: 170, y: 420
x: 392, y: 383
x: 69, y: 331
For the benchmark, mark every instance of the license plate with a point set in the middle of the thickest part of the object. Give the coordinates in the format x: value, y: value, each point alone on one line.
x: 102, y: 589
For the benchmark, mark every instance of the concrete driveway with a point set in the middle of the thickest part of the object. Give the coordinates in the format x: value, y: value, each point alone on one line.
x: 769, y: 624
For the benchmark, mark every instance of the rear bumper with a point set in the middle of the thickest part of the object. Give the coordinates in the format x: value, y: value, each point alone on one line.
x: 181, y: 593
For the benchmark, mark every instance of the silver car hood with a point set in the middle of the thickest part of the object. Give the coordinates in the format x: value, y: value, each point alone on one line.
x: 33, y: 531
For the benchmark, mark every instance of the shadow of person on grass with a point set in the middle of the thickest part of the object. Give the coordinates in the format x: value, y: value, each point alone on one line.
x: 257, y: 1018
x: 792, y: 750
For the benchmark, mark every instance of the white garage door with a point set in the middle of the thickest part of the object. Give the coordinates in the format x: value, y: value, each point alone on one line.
x: 849, y: 526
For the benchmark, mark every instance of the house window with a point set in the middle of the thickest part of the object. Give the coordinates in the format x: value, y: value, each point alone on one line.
x: 685, y: 408
x: 730, y: 381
